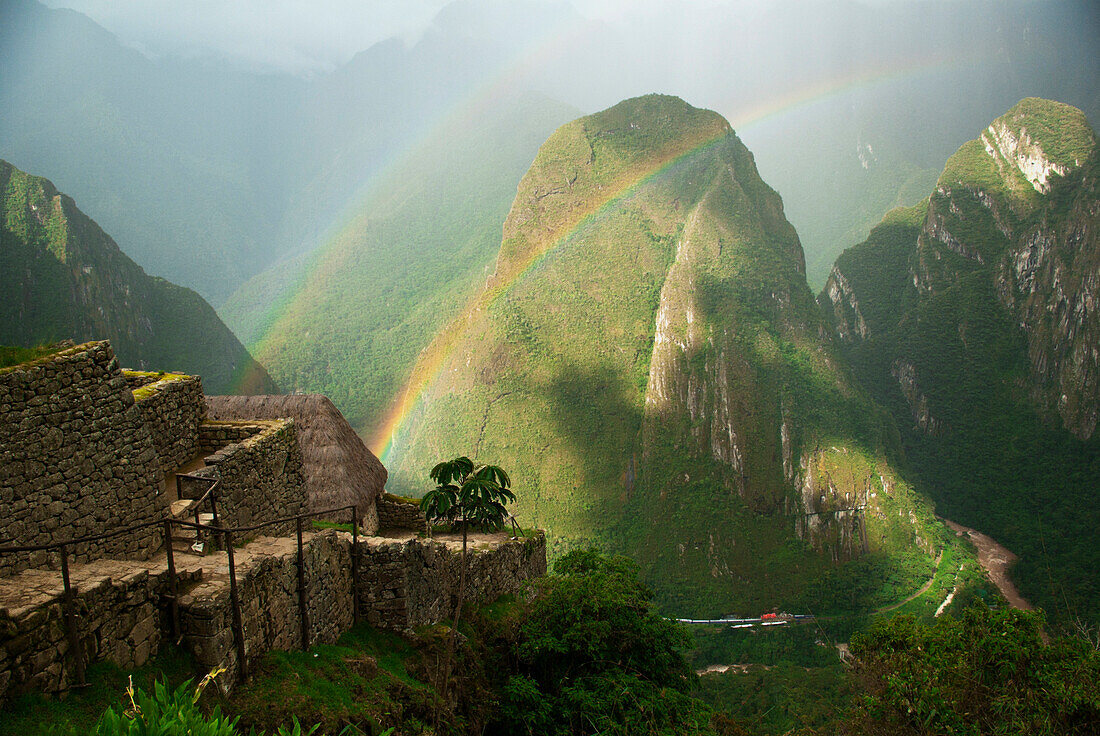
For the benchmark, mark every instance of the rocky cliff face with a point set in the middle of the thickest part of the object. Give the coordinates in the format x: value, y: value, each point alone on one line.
x: 1050, y: 282
x: 848, y: 319
x: 982, y: 336
x: 648, y: 362
x: 62, y: 277
x: 1018, y: 204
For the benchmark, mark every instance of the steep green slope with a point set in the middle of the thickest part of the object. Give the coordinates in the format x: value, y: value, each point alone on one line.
x: 349, y: 320
x: 63, y: 277
x: 184, y: 162
x: 648, y: 361
x: 971, y: 319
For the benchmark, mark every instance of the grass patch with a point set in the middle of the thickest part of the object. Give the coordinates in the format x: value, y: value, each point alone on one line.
x: 74, y: 713
x: 152, y: 388
x: 394, y: 498
x: 13, y: 355
x: 320, y: 524
x: 363, y: 681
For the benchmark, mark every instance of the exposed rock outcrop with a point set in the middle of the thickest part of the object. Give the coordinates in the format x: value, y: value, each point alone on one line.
x: 1019, y: 205
x: 649, y: 359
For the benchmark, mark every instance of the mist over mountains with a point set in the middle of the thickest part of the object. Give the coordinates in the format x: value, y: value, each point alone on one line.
x: 848, y: 108
x: 581, y: 240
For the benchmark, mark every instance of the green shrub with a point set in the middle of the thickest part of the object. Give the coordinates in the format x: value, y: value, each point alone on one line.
x: 166, y: 712
x: 592, y: 656
x: 987, y: 672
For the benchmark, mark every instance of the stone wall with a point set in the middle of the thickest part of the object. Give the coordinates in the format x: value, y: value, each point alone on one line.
x: 402, y: 585
x: 123, y: 610
x: 405, y: 584
x: 214, y: 436
x: 75, y: 458
x: 173, y: 406
x: 395, y: 512
x: 119, y: 612
x: 260, y: 476
x: 137, y: 379
x: 270, y: 611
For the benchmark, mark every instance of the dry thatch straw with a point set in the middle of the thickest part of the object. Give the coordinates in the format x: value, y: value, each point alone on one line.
x: 338, y: 467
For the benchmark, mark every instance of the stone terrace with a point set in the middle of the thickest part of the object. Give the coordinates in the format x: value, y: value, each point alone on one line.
x: 86, y: 449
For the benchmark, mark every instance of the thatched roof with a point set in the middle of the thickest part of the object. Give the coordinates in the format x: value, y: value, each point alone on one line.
x: 338, y: 467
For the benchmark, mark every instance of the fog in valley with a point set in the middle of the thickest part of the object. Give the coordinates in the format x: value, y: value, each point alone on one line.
x: 273, y: 121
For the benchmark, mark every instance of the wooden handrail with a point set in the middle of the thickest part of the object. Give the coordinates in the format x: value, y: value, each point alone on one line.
x: 177, y: 522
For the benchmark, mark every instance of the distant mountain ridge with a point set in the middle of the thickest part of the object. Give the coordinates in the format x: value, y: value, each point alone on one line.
x: 64, y: 278
x: 230, y: 171
x: 405, y: 262
x: 973, y: 317
x: 650, y: 366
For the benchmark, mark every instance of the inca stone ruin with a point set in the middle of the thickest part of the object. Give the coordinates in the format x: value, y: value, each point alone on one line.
x: 87, y: 449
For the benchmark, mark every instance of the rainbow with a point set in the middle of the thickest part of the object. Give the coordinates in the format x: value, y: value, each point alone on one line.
x: 434, y: 357
x: 510, y: 77
x: 816, y: 91
x: 432, y: 360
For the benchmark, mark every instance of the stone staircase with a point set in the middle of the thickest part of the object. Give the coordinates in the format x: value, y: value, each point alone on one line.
x: 185, y: 539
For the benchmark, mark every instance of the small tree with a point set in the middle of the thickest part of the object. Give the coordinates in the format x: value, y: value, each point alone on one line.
x: 466, y: 494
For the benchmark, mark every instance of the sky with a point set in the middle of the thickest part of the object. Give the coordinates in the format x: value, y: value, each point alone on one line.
x: 304, y: 37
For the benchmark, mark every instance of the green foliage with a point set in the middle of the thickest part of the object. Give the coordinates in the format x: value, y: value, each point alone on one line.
x: 986, y: 672
x: 35, y: 714
x: 801, y: 645
x: 11, y: 355
x: 592, y: 655
x: 778, y: 699
x: 872, y: 581
x: 468, y: 494
x: 367, y: 680
x: 972, y: 166
x: 1062, y: 131
x: 166, y: 712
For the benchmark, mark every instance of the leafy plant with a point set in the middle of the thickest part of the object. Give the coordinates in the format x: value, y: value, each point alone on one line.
x: 166, y: 712
x: 466, y: 494
x: 593, y: 656
x: 987, y: 672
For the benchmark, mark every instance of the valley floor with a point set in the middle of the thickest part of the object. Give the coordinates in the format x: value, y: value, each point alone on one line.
x: 995, y: 559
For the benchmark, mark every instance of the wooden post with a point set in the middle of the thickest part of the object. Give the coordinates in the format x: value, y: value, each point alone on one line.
x: 355, y: 564
x: 214, y: 509
x: 235, y: 600
x: 303, y: 604
x: 76, y: 648
x: 173, y: 586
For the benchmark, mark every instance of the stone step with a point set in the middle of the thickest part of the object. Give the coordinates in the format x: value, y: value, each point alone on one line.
x: 181, y: 508
x: 185, y: 546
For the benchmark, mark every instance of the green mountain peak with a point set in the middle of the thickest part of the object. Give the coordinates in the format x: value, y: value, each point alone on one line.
x: 69, y: 280
x: 593, y: 160
x: 649, y: 363
x: 970, y: 318
x: 1020, y: 153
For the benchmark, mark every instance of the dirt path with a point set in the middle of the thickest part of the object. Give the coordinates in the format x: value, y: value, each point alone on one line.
x: 996, y: 561
x: 717, y: 669
x: 920, y: 591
